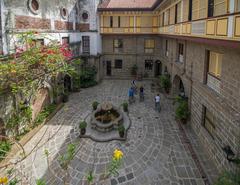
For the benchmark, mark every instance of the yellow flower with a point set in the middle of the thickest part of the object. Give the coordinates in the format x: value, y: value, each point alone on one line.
x: 117, y: 154
x: 5, y: 180
x: 13, y: 71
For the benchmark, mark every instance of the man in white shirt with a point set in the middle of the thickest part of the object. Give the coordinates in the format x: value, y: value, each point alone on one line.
x: 157, y: 103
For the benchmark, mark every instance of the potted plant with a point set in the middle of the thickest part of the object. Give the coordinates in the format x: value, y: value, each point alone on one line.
x: 121, y: 131
x: 82, y: 126
x: 182, y: 110
x: 134, y: 69
x: 95, y: 105
x: 125, y: 107
x: 165, y: 82
x: 65, y: 97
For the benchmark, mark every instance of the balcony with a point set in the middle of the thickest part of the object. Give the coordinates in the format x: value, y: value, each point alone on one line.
x: 220, y: 27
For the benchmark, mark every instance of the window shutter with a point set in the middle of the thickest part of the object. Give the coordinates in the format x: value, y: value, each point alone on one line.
x: 195, y: 9
x: 106, y: 21
x: 185, y: 8
x: 138, y: 23
x: 179, y: 12
x: 155, y: 21
x: 172, y: 15
x: 202, y: 9
x: 220, y: 7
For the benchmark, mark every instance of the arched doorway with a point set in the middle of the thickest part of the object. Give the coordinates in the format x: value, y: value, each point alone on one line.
x: 158, y: 68
x: 2, y: 130
x: 178, y: 87
x: 67, y: 83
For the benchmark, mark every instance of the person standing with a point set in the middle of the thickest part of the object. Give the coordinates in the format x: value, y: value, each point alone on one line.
x: 157, y: 103
x: 131, y: 95
x: 141, y: 93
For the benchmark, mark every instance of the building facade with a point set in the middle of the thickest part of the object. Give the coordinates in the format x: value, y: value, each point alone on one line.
x: 198, y: 44
x: 72, y: 22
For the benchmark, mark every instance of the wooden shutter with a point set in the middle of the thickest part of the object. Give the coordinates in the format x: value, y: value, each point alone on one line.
x: 115, y: 21
x: 238, y: 5
x: 172, y: 15
x: 195, y: 9
x: 215, y: 64
x: 155, y: 21
x: 202, y: 9
x: 138, y: 23
x: 220, y: 7
x: 131, y: 24
x: 179, y: 12
x: 106, y: 21
x: 166, y: 17
x: 185, y: 10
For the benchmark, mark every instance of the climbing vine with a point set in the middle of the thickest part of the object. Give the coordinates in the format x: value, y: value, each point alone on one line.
x: 26, y: 69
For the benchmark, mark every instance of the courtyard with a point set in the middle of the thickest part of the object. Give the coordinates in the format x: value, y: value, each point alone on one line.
x: 157, y: 150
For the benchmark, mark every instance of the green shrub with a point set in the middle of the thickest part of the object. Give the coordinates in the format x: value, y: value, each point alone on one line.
x: 82, y: 124
x: 134, y: 69
x: 45, y: 113
x: 121, y: 128
x: 165, y: 82
x: 5, y: 146
x: 95, y: 105
x: 228, y: 178
x: 125, y: 107
x: 87, y: 77
x: 182, y: 110
x: 40, y: 182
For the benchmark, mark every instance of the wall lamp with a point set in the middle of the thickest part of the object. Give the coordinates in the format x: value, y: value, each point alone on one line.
x: 230, y: 155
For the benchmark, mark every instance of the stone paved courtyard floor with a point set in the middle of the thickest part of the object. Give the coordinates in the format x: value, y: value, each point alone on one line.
x: 153, y: 153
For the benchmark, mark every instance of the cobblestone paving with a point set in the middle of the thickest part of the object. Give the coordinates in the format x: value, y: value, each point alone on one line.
x: 153, y: 153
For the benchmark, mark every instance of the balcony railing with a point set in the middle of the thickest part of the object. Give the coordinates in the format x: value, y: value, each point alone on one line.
x: 214, y: 83
x: 222, y: 27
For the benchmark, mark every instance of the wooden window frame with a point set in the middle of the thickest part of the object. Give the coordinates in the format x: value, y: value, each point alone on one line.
x: 86, y: 44
x: 209, y: 61
x: 119, y: 21
x: 211, y: 123
x: 166, y: 48
x: 237, y: 5
x: 119, y: 48
x: 149, y: 50
x: 64, y: 39
x: 148, y: 65
x: 116, y: 64
x: 181, y: 48
x: 111, y: 21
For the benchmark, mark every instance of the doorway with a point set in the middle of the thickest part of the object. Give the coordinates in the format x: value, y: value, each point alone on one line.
x: 109, y: 68
x: 67, y: 83
x: 158, y: 68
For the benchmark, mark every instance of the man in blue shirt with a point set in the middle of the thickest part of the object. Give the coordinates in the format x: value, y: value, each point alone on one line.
x: 131, y: 95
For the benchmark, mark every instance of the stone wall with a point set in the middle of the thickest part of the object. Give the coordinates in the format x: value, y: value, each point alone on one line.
x: 224, y: 105
x: 132, y: 53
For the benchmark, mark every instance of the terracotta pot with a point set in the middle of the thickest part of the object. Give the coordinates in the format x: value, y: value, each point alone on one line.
x: 83, y: 131
x: 183, y: 121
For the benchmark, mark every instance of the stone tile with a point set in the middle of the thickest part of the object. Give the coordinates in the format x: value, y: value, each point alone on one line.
x: 153, y: 153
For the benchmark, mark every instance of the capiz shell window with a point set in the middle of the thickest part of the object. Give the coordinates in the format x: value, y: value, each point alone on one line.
x: 215, y: 64
x: 149, y: 45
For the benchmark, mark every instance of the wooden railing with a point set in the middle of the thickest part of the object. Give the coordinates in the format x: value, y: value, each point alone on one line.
x: 221, y: 27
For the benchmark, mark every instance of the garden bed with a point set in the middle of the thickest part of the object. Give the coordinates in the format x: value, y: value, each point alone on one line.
x: 24, y: 140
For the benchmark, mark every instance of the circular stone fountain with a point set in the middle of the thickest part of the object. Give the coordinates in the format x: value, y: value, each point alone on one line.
x: 103, y: 123
x: 106, y: 118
